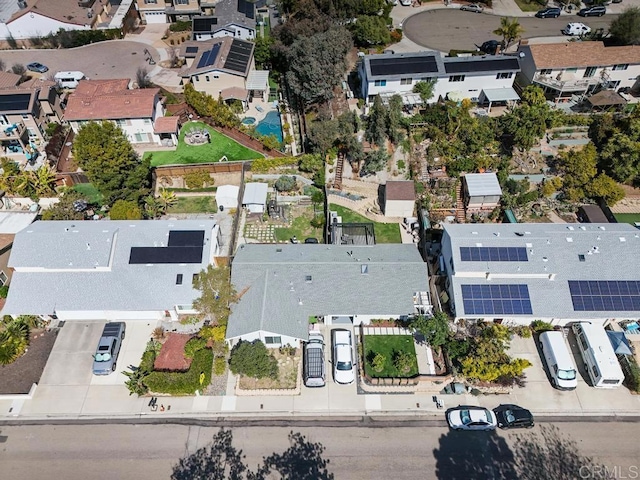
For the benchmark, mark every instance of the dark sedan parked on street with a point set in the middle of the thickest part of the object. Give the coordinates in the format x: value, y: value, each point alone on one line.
x: 513, y: 416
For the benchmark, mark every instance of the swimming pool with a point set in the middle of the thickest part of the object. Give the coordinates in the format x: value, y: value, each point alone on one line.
x: 271, y: 125
x: 248, y: 121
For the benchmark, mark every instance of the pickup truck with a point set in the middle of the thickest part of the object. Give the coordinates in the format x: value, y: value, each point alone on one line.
x: 106, y: 356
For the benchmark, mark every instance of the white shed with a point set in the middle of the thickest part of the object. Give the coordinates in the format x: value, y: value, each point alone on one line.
x: 255, y: 197
x: 227, y: 196
x: 399, y: 199
x: 481, y: 191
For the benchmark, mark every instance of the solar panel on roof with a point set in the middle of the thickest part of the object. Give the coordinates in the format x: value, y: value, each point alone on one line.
x: 239, y: 56
x: 403, y: 65
x: 496, y: 300
x: 204, y: 24
x: 191, y: 50
x: 186, y: 238
x: 493, y: 254
x: 165, y: 255
x: 246, y: 8
x: 15, y: 102
x: 209, y: 57
x: 605, y: 295
x: 484, y: 65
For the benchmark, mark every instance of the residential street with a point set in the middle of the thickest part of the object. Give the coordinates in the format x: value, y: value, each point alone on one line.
x: 402, y: 452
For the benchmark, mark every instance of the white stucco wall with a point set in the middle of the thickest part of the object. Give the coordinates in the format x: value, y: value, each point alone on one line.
x: 241, y: 32
x: 398, y: 208
x: 260, y: 335
x: 35, y: 25
x: 109, y: 315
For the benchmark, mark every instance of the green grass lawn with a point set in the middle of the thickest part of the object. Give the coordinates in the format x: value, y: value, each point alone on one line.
x: 208, y: 153
x: 627, y: 217
x: 385, y: 232
x: 89, y: 191
x: 199, y: 204
x: 300, y: 228
x: 389, y: 345
x: 529, y: 6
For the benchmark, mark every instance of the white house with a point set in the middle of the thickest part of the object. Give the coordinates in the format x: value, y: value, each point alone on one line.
x: 481, y: 191
x: 227, y: 196
x: 255, y: 197
x: 113, y: 270
x: 577, y: 68
x: 135, y: 111
x: 463, y: 77
x: 234, y: 18
x: 554, y: 272
x: 167, y: 11
x: 282, y: 286
x: 399, y: 199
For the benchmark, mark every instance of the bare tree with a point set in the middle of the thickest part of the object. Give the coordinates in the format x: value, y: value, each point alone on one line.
x: 142, y: 78
x: 3, y: 65
x: 18, y: 69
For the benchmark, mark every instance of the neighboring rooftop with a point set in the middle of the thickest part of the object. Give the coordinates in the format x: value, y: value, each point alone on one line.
x: 225, y: 54
x: 482, y: 184
x: 285, y: 284
x: 65, y: 11
x: 240, y: 12
x: 580, y: 54
x: 400, y: 190
x: 166, y: 125
x: 14, y: 221
x: 7, y: 79
x: 16, y: 100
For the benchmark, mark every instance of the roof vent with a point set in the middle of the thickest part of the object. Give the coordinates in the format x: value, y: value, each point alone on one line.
x: 545, y: 259
x: 570, y: 227
x: 364, y: 269
x: 569, y: 239
x: 622, y: 239
x: 519, y: 234
x: 601, y: 228
x: 582, y: 258
x: 308, y: 279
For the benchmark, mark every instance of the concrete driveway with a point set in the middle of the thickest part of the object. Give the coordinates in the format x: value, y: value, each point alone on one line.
x: 104, y: 60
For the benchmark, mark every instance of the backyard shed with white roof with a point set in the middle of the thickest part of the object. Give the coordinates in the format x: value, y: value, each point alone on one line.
x: 255, y: 197
x: 227, y: 196
x: 113, y: 270
x: 481, y: 191
x: 282, y: 286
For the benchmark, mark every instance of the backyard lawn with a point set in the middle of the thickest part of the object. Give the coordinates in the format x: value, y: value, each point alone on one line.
x: 300, y: 226
x: 385, y: 232
x: 220, y: 146
x: 389, y: 346
x: 627, y: 217
x: 89, y: 191
x: 529, y: 6
x: 199, y: 204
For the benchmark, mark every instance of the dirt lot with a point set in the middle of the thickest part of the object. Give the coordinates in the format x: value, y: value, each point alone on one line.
x: 18, y: 377
x: 287, y: 375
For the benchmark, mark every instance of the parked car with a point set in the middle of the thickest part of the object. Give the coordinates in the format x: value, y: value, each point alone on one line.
x: 314, y: 361
x: 596, y: 11
x: 559, y: 360
x: 406, y: 3
x: 310, y: 240
x: 37, y: 67
x: 576, y: 28
x: 490, y: 47
x: 465, y: 417
x: 343, y: 366
x: 106, y: 356
x: 474, y: 7
x: 513, y: 416
x: 551, y: 12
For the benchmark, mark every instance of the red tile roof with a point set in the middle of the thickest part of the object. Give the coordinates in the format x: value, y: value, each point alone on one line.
x: 166, y: 125
x: 8, y: 80
x: 402, y: 190
x: 171, y: 356
x: 109, y: 100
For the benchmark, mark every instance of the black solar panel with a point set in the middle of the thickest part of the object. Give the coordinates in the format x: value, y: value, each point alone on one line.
x: 15, y: 102
x: 605, y: 295
x: 493, y: 254
x: 164, y: 255
x: 496, y: 300
x: 239, y: 56
x: 186, y: 238
x: 403, y: 65
x: 484, y: 65
x: 204, y: 24
x: 208, y: 58
x: 191, y: 50
x: 246, y: 8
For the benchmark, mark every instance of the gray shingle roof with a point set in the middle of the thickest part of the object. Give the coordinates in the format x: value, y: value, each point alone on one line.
x: 280, y: 299
x: 610, y: 252
x: 78, y: 266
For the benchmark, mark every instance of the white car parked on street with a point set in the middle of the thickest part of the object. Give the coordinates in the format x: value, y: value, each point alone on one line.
x: 576, y: 28
x: 465, y: 417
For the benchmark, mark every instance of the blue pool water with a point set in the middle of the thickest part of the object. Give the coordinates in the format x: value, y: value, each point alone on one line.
x: 248, y: 121
x: 271, y: 125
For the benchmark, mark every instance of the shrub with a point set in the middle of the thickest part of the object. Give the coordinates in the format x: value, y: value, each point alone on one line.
x: 198, y: 179
x: 457, y: 348
x: 289, y: 350
x: 125, y: 210
x: 522, y: 331
x: 435, y: 329
x: 264, y: 165
x: 403, y: 361
x: 180, y: 26
x: 377, y: 362
x: 215, y: 333
x: 632, y: 375
x: 285, y: 183
x: 183, y: 383
x: 253, y: 360
x: 194, y: 345
x: 4, y: 291
x: 219, y: 365
x: 541, y: 326
x: 158, y: 333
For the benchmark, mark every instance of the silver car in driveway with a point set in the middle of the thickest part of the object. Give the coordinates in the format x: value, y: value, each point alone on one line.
x: 344, y: 371
x: 106, y: 356
x: 465, y: 417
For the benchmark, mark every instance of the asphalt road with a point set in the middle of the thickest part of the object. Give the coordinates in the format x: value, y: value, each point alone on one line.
x: 104, y: 60
x: 447, y: 29
x: 415, y: 452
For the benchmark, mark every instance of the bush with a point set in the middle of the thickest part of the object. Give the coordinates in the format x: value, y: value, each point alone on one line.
x: 522, y: 331
x: 632, y: 375
x: 198, y: 179
x: 265, y: 165
x: 403, y: 361
x: 377, y: 362
x: 289, y: 350
x: 125, y: 210
x: 219, y: 365
x: 194, y: 345
x: 253, y: 360
x: 541, y: 326
x: 285, y: 183
x: 215, y: 333
x: 183, y: 383
x: 4, y: 291
x: 180, y: 26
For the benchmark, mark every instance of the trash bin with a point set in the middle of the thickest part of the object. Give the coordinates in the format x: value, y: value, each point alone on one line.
x: 222, y: 208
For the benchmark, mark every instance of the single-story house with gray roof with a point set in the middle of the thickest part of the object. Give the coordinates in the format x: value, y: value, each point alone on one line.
x: 282, y: 286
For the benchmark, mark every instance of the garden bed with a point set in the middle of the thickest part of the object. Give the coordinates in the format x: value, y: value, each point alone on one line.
x: 288, y: 367
x: 183, y: 383
x: 389, y: 346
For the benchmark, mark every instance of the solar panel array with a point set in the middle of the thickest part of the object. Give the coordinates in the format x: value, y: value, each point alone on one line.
x: 484, y: 65
x: 208, y: 58
x: 191, y: 50
x: 204, y: 24
x: 403, y: 65
x: 239, y: 56
x: 496, y: 300
x: 246, y: 8
x: 16, y: 102
x: 184, y: 246
x: 605, y: 295
x: 493, y: 254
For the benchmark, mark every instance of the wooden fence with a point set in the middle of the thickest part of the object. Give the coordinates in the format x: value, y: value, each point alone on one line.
x: 180, y: 170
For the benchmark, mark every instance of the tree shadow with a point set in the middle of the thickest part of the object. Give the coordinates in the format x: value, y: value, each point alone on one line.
x: 220, y: 460
x: 474, y: 455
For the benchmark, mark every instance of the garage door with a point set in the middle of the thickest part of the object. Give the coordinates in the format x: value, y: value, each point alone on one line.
x: 155, y: 17
x: 341, y: 320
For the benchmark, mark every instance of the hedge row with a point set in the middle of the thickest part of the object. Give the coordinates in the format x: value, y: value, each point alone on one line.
x: 183, y: 383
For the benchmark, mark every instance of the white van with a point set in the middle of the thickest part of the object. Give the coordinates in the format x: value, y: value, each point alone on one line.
x: 600, y: 360
x: 559, y: 361
x: 68, y: 79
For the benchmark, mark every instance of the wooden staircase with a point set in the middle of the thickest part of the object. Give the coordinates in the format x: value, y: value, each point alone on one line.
x: 337, y: 183
x: 460, y: 213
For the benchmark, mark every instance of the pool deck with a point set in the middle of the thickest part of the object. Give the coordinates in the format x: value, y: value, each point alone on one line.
x: 266, y: 107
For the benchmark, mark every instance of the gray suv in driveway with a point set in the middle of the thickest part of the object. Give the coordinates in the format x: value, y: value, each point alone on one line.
x: 106, y: 356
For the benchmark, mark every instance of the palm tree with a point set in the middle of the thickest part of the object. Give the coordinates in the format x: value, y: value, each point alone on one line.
x: 166, y: 199
x: 510, y: 30
x: 43, y: 181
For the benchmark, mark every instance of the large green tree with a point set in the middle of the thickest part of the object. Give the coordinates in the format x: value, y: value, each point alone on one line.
x: 425, y: 88
x: 626, y: 27
x: 394, y: 119
x: 370, y: 30
x: 104, y: 153
x: 528, y: 122
x: 216, y: 293
x: 434, y: 329
x: 376, y: 129
x: 579, y: 169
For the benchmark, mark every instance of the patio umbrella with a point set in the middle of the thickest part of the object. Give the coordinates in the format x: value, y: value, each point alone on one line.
x: 619, y: 343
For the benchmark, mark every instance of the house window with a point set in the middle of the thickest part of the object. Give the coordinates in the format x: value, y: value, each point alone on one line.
x: 121, y: 123
x: 196, y: 78
x: 380, y: 83
x: 147, y: 121
x: 4, y: 120
x: 273, y: 340
x: 546, y: 71
x: 25, y: 116
x: 456, y: 78
x: 406, y: 81
x: 590, y: 72
x: 622, y: 66
x: 3, y: 278
x: 427, y: 79
x: 138, y: 137
x: 504, y: 75
x: 179, y: 279
x: 613, y: 84
x: 181, y: 2
x: 150, y: 1
x: 570, y: 70
x: 195, y: 277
